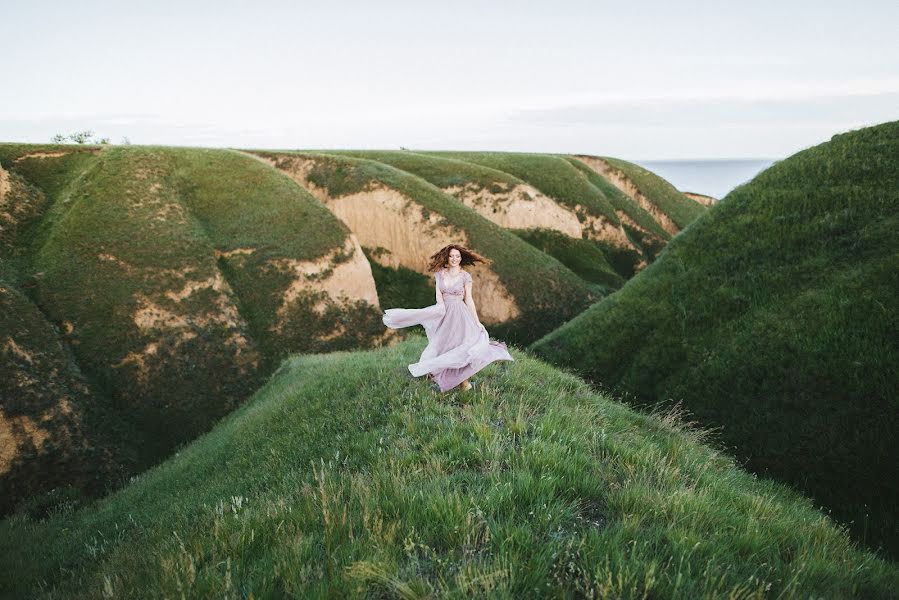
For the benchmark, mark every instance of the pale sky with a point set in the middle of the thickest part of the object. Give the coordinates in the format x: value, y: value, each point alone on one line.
x: 638, y: 80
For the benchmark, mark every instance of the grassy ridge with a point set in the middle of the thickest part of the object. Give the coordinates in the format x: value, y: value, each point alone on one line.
x: 559, y: 294
x: 400, y: 286
x: 681, y: 209
x: 775, y: 316
x: 54, y: 445
x: 552, y: 175
x: 579, y: 188
x: 589, y: 260
x: 620, y: 201
x: 440, y: 171
x: 128, y: 254
x: 584, y: 257
x: 346, y: 478
x: 51, y: 435
x: 123, y: 244
x: 243, y: 203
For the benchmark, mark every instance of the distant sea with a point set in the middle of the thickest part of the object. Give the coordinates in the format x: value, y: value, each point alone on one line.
x: 710, y: 177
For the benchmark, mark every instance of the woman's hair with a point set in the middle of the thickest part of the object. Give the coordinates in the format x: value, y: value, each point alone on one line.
x: 441, y: 258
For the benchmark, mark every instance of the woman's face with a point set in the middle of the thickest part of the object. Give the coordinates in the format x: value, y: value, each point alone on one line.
x: 455, y: 258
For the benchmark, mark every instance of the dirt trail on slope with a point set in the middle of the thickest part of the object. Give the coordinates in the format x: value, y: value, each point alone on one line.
x: 626, y: 185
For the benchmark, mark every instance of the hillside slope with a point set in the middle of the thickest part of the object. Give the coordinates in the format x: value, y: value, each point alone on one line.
x: 401, y: 220
x: 50, y: 427
x: 622, y: 206
x: 344, y: 477
x: 776, y: 316
x: 498, y: 196
x: 552, y: 226
x: 671, y: 209
x: 171, y: 282
x: 566, y: 186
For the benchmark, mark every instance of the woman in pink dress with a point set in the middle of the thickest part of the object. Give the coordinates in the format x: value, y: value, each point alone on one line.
x: 458, y: 345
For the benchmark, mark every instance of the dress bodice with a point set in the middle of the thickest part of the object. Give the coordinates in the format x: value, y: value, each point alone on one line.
x: 455, y: 289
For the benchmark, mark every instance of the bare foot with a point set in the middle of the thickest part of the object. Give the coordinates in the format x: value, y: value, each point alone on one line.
x: 465, y: 385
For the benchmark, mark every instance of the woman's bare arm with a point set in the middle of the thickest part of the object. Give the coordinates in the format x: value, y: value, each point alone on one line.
x: 439, y: 295
x: 469, y: 301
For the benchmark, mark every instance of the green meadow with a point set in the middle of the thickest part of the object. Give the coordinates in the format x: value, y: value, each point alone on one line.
x: 708, y: 413
x: 774, y: 316
x: 345, y: 477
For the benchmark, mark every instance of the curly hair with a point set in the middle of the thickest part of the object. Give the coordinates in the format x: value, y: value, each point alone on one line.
x: 441, y: 258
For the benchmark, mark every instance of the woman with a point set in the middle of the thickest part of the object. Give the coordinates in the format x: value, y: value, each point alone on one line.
x: 458, y: 345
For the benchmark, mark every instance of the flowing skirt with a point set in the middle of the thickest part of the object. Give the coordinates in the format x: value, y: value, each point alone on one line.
x: 458, y: 346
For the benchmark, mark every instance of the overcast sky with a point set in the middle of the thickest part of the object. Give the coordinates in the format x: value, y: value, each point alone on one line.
x: 639, y: 80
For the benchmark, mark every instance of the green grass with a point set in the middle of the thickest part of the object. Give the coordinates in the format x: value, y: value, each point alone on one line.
x: 106, y: 233
x: 585, y: 257
x: 445, y: 172
x: 400, y: 286
x: 558, y: 294
x: 439, y: 171
x: 681, y: 209
x: 41, y: 381
x: 775, y: 316
x: 112, y: 214
x: 621, y: 201
x: 344, y: 477
x: 552, y: 175
x: 243, y: 203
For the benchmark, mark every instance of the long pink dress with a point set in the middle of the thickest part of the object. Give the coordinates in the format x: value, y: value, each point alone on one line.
x: 458, y: 346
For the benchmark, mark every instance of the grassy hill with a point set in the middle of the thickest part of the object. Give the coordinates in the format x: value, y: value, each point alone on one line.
x: 672, y: 209
x: 514, y: 204
x: 155, y: 288
x: 617, y: 221
x: 775, y: 316
x: 344, y: 477
x: 51, y: 432
x: 584, y: 257
x: 402, y: 219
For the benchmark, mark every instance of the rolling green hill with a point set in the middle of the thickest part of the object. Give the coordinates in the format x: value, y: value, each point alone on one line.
x: 514, y: 204
x: 402, y: 219
x: 626, y: 224
x: 344, y: 477
x: 670, y: 208
x: 775, y: 316
x: 152, y: 290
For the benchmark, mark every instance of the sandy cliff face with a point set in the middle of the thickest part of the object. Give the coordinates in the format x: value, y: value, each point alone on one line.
x: 626, y: 185
x: 701, y: 198
x: 382, y: 217
x: 525, y: 207
x: 347, y: 279
x: 4, y: 184
x: 518, y: 207
x: 601, y: 229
